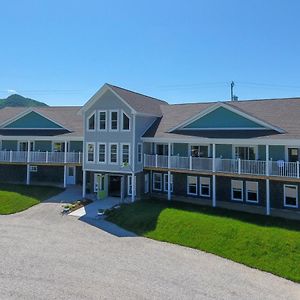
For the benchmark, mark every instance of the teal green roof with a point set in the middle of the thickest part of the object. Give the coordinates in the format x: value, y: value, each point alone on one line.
x: 33, y: 120
x: 223, y: 118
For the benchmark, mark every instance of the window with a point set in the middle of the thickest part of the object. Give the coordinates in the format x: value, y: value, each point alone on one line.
x: 146, y: 187
x: 113, y: 153
x: 102, y: 153
x: 237, y: 190
x: 33, y: 169
x: 247, y: 153
x: 192, y: 185
x: 91, y: 122
x: 129, y: 185
x: 23, y: 146
x: 140, y: 152
x: 204, y: 186
x: 199, y: 151
x: 161, y: 149
x: 99, y: 182
x: 157, y: 181
x: 125, y: 154
x: 125, y: 122
x: 90, y: 152
x: 166, y: 183
x: 293, y: 154
x: 58, y: 147
x: 114, y: 116
x: 252, y: 191
x: 102, y: 120
x: 290, y: 195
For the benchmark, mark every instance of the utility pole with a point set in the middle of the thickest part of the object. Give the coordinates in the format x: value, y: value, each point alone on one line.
x: 231, y: 90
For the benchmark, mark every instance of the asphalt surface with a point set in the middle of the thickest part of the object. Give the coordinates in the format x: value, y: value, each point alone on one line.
x: 48, y: 256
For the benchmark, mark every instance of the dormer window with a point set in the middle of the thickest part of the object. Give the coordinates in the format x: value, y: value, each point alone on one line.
x: 114, y: 120
x: 125, y: 122
x: 91, y: 122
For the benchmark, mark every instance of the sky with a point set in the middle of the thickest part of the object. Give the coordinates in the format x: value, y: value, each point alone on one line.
x: 62, y: 52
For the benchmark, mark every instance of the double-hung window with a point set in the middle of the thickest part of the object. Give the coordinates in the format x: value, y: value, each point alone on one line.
x: 102, y: 153
x: 102, y: 120
x: 290, y: 195
x: 204, y: 186
x: 139, y: 152
x: 114, y: 120
x: 90, y: 152
x: 125, y: 122
x: 237, y: 190
x: 166, y: 177
x: 125, y: 158
x: 252, y: 191
x: 157, y: 181
x: 192, y: 185
x: 91, y: 122
x: 113, y: 153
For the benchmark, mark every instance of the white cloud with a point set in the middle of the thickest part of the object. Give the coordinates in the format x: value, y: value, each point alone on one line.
x: 12, y: 91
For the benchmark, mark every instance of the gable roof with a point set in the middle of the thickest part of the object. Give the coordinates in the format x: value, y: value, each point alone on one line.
x: 282, y: 114
x: 65, y: 116
x: 137, y: 102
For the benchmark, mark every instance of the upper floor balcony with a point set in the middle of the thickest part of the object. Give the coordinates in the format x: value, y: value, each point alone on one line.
x: 40, y: 157
x: 278, y: 168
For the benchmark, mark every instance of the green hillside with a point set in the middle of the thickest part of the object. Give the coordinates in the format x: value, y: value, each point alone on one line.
x: 18, y: 100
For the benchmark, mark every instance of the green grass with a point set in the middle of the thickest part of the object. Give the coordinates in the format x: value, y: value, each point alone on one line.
x: 265, y: 243
x: 15, y: 198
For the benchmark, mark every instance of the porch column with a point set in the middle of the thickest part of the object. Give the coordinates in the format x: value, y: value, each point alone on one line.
x: 83, y: 183
x: 268, y: 197
x: 122, y: 189
x: 65, y: 176
x: 28, y: 151
x: 132, y: 187
x: 267, y: 161
x: 28, y: 174
x: 66, y: 145
x: 169, y: 172
x: 214, y: 199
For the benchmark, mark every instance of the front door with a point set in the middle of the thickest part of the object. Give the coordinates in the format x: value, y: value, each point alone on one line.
x: 71, y: 175
x: 114, y: 186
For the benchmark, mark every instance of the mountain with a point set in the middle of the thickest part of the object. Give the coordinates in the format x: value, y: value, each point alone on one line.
x: 18, y: 100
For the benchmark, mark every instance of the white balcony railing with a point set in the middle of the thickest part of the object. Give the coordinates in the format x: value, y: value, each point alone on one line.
x: 232, y: 166
x: 40, y: 157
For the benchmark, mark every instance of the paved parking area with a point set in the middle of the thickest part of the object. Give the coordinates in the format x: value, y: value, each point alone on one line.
x: 48, y: 256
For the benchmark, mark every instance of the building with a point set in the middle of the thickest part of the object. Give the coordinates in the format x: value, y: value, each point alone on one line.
x: 242, y: 155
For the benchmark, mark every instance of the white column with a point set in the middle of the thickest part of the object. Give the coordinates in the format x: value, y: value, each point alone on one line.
x: 214, y: 199
x: 28, y: 175
x: 267, y: 161
x: 66, y: 145
x: 132, y: 187
x: 65, y: 176
x: 169, y: 185
x: 28, y: 151
x: 268, y: 209
x: 83, y: 183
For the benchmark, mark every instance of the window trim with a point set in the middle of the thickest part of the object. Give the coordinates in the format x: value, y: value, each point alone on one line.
x: 250, y: 201
x: 106, y: 120
x: 245, y: 146
x: 187, y: 186
x: 129, y: 152
x: 87, y: 122
x: 284, y: 196
x: 199, y: 145
x: 209, y: 187
x: 165, y: 181
x: 117, y: 154
x: 110, y: 120
x: 87, y: 152
x: 23, y: 141
x: 242, y: 191
x: 105, y: 153
x: 153, y: 182
x: 57, y: 142
x: 122, y: 117
x: 141, y: 160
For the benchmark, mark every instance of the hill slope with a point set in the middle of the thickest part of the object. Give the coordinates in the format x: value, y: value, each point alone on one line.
x: 18, y: 100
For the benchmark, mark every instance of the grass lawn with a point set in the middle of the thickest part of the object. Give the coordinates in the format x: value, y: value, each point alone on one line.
x: 265, y: 243
x: 17, y: 197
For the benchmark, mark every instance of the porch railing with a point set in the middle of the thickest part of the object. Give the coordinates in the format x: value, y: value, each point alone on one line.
x: 232, y: 166
x: 40, y: 157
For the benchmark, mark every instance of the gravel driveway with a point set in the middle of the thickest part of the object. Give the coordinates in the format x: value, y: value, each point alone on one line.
x: 48, y: 256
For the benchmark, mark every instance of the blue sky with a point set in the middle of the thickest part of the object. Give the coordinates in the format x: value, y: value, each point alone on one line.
x: 62, y: 52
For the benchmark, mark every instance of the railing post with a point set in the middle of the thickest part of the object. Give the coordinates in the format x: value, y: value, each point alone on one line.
x: 214, y: 158
x: 169, y: 156
x: 191, y: 162
x: 28, y: 151
x: 239, y: 166
x: 156, y: 160
x: 47, y: 156
x: 297, y: 169
x: 10, y: 155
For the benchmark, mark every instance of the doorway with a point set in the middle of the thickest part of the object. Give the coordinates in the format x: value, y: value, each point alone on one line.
x: 71, y: 175
x: 114, y: 186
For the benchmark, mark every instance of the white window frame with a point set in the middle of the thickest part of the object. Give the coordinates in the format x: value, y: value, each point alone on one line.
x: 110, y: 120
x: 102, y: 183
x: 105, y: 153
x: 129, y: 152
x: 122, y: 116
x: 140, y: 153
x: 33, y: 169
x: 31, y: 143
x: 200, y: 187
x: 95, y: 123
x: 166, y: 182
x: 153, y: 182
x: 200, y: 145
x: 106, y: 120
x: 188, y: 186
x: 284, y: 196
x: 247, y: 190
x: 87, y: 152
x: 129, y: 185
x: 117, y: 154
x: 242, y: 191
x: 165, y: 145
x: 58, y: 142
x: 245, y: 146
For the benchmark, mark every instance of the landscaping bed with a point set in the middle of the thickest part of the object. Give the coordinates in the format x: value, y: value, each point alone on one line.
x: 68, y: 208
x: 266, y: 243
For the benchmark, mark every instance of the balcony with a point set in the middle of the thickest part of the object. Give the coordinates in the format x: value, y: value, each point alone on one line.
x: 229, y: 166
x: 39, y: 157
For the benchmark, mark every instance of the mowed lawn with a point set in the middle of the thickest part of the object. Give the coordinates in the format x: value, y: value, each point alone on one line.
x: 266, y: 243
x: 15, y: 197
